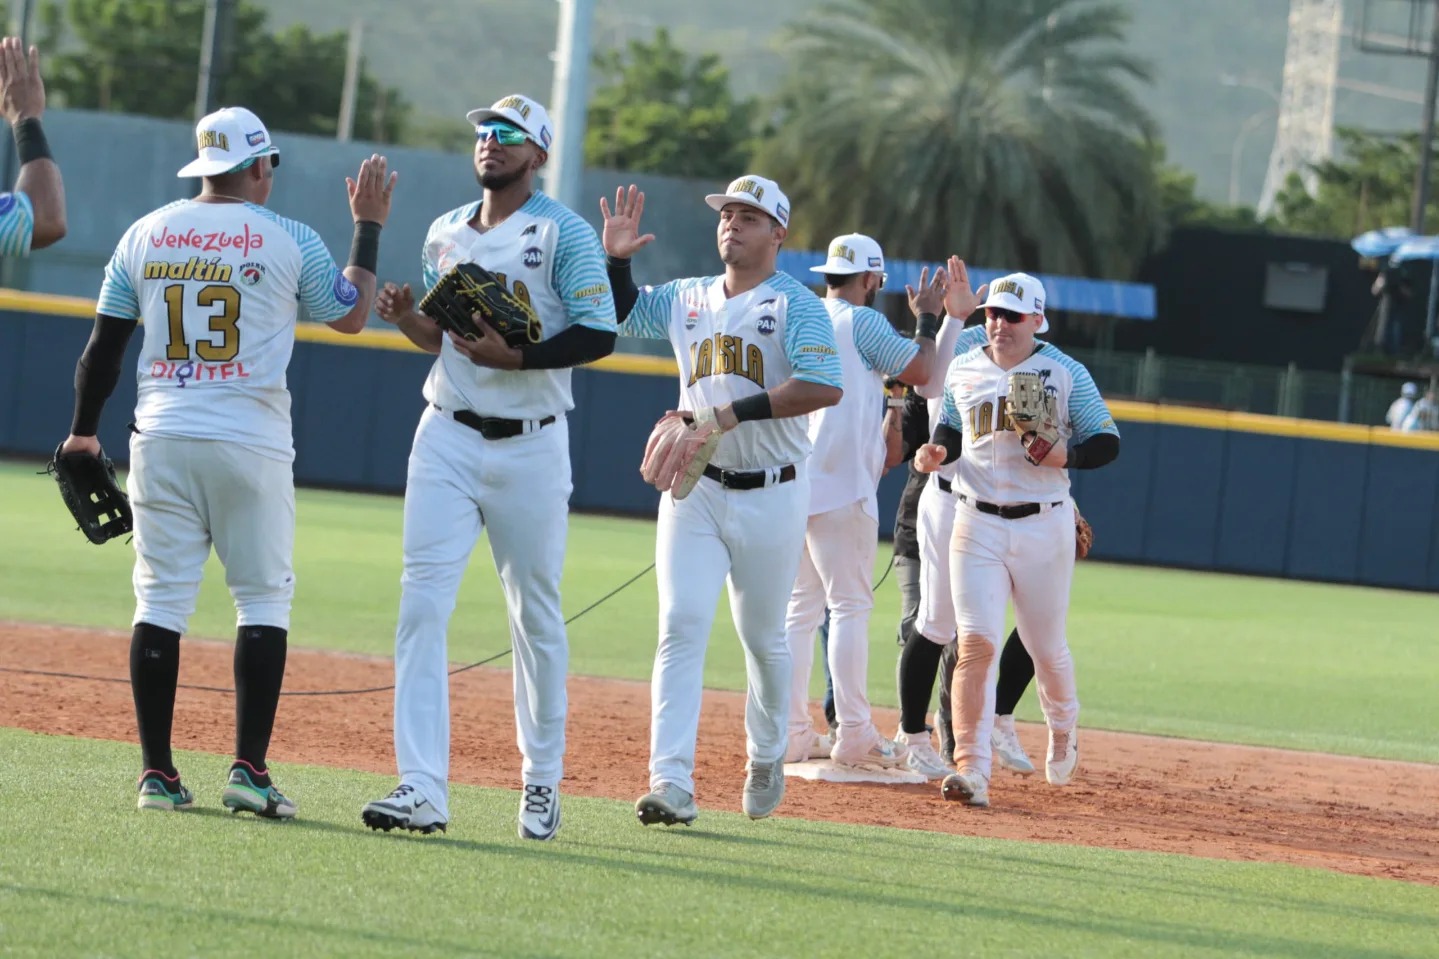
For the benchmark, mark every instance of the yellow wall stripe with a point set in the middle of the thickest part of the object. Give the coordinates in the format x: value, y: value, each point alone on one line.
x: 1125, y: 411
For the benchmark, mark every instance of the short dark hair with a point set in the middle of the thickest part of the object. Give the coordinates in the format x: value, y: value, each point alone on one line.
x: 837, y: 281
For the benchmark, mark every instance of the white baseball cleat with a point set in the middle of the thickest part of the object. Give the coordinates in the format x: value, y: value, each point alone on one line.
x: 667, y: 804
x: 540, y: 812
x: 968, y: 786
x: 808, y: 745
x: 872, y: 750
x: 1006, y: 747
x: 922, y: 758
x: 1063, y: 756
x: 404, y: 808
x: 763, y: 788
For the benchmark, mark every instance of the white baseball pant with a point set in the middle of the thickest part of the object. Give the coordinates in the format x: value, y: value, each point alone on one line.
x: 934, y: 528
x: 835, y: 569
x: 518, y: 489
x: 186, y: 494
x: 993, y: 560
x: 754, y: 538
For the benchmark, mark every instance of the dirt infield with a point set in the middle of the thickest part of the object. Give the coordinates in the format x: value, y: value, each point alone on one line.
x: 1366, y: 817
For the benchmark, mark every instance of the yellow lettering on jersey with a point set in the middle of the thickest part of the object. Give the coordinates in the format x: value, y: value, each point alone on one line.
x: 981, y: 418
x: 205, y: 271
x: 725, y: 354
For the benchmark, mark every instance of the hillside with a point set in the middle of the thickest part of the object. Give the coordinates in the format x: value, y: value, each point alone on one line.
x: 449, y: 55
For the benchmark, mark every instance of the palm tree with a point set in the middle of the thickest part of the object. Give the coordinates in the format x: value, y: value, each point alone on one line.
x: 1007, y: 131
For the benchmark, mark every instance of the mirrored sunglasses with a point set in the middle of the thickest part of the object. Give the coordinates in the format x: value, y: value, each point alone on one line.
x: 507, y: 135
x: 999, y: 313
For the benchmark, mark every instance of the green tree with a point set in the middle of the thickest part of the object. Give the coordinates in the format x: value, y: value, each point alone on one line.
x: 1008, y: 132
x: 659, y: 110
x: 1369, y: 184
x: 143, y: 56
x: 1181, y: 205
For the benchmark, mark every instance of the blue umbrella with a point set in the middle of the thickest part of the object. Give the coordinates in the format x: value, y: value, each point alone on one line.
x: 1418, y: 248
x: 1381, y: 242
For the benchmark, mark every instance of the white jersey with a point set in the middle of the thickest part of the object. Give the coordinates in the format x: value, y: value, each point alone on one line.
x: 17, y: 224
x: 1398, y: 412
x: 218, y: 287
x: 954, y: 340
x: 848, y: 456
x: 728, y: 349
x: 992, y: 467
x: 548, y: 256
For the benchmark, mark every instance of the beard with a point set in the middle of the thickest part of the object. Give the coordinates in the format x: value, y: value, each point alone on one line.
x: 498, y: 181
x: 870, y: 297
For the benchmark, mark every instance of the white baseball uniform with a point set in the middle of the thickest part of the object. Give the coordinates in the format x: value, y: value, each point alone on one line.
x: 1029, y: 559
x: 934, y: 523
x: 218, y: 286
x: 727, y: 349
x: 837, y: 561
x: 518, y: 487
x: 17, y: 224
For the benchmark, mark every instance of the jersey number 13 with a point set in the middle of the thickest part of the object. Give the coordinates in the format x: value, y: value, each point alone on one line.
x: 224, y: 321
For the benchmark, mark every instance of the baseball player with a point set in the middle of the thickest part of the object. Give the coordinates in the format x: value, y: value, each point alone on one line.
x: 1399, y: 410
x: 492, y: 451
x: 1014, y: 526
x: 756, y: 351
x: 842, y: 533
x: 32, y: 217
x: 217, y: 281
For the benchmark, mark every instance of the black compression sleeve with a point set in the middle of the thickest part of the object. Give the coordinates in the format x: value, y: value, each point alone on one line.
x: 1101, y: 449
x: 951, y: 439
x: 622, y: 284
x: 756, y: 407
x: 914, y: 424
x: 98, y: 371
x: 572, y: 346
x: 927, y: 327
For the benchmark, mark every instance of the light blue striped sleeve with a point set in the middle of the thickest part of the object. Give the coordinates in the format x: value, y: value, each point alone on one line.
x: 17, y: 224
x: 809, y: 337
x: 580, y: 279
x: 883, y: 348
x: 325, y: 291
x: 1088, y: 413
x: 118, y: 297
x: 949, y: 411
x: 969, y: 338
x: 650, y: 318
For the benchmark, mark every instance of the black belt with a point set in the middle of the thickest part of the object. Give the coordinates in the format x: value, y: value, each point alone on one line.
x: 747, y: 479
x: 1017, y: 511
x: 494, y: 427
x: 944, y: 484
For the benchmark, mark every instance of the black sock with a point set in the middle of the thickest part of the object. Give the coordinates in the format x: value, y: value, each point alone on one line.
x: 1016, y: 669
x: 154, y: 674
x: 918, y: 666
x: 259, y: 671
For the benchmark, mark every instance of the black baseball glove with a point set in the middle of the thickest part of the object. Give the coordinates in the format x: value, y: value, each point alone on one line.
x: 92, y: 494
x: 469, y: 289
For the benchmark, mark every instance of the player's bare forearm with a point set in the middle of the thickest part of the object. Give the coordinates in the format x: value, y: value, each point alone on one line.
x: 921, y: 368
x: 420, y: 330
x: 893, y: 438
x: 40, y: 181
x: 354, y: 321
x: 795, y: 397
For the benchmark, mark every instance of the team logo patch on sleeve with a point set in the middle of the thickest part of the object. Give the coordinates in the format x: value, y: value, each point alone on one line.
x: 7, y: 203
x: 345, y: 291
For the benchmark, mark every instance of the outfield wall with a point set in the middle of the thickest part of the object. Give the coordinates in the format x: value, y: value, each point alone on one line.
x: 1192, y: 488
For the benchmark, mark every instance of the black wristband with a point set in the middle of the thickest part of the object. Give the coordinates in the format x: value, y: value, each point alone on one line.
x: 30, y: 141
x: 928, y: 327
x: 616, y: 262
x: 365, y: 248
x: 757, y: 407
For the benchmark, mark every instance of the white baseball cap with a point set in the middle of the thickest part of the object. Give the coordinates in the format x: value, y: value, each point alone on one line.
x: 852, y: 253
x: 226, y: 139
x: 1020, y: 293
x: 755, y: 191
x: 1409, y: 390
x: 522, y: 112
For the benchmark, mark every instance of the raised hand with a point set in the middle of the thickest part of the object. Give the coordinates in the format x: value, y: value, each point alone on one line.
x: 929, y: 298
x: 370, y: 190
x: 959, y: 299
x: 393, y: 302
x: 22, y: 92
x: 621, y: 237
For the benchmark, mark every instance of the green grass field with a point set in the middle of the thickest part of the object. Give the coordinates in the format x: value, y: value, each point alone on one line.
x: 1228, y: 658
x: 83, y: 874
x: 1308, y: 666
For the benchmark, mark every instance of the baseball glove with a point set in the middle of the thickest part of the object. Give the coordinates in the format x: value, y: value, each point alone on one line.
x: 1083, y: 535
x: 469, y: 289
x: 91, y: 493
x: 678, y: 451
x: 1033, y: 415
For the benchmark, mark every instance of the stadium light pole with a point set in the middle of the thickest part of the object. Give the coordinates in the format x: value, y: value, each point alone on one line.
x: 570, y: 101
